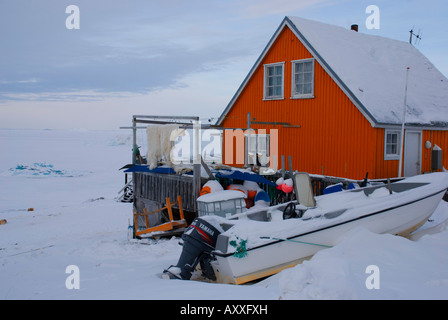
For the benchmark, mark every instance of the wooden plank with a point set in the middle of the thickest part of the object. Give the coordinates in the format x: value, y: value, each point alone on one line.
x: 207, y: 169
x: 156, y: 235
x: 179, y: 223
x: 170, y: 211
x: 161, y: 227
x: 145, y: 116
x: 135, y: 221
x: 146, y: 217
x: 181, y: 211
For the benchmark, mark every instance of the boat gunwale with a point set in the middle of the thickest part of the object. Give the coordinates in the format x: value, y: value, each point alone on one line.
x: 225, y: 255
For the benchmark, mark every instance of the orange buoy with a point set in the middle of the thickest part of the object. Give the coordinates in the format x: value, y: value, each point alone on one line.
x: 211, y: 186
x: 238, y: 187
x: 205, y: 190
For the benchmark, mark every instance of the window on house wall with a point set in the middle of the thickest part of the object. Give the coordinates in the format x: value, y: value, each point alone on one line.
x: 257, y: 149
x: 302, y: 78
x: 273, y: 81
x: 392, y: 145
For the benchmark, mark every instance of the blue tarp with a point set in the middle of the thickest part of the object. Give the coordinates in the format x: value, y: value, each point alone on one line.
x: 337, y: 188
x: 262, y: 195
x: 238, y: 175
x: 145, y: 168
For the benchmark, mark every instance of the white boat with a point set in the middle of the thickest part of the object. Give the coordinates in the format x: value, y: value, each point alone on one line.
x: 263, y: 241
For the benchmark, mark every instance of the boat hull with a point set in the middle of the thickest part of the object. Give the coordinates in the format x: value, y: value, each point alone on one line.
x: 279, y: 254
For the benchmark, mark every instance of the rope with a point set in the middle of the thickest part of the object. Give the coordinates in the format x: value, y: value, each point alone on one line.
x: 241, y: 250
x: 297, y: 241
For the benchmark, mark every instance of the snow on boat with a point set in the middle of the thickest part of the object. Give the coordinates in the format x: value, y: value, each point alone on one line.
x: 265, y: 240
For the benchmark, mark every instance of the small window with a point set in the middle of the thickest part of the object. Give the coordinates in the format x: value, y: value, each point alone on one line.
x: 392, y: 145
x: 273, y: 81
x: 303, y: 78
x: 257, y: 149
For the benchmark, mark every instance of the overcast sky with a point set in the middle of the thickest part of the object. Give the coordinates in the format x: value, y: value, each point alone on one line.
x: 171, y: 57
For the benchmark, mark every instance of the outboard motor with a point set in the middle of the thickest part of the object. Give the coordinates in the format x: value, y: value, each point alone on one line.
x: 199, y: 241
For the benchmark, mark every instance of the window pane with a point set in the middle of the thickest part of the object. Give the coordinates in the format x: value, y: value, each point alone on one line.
x: 394, y: 137
x: 308, y: 77
x: 252, y: 141
x: 308, y: 66
x: 278, y: 81
x: 278, y: 91
x: 274, y: 81
x: 307, y: 88
x: 388, y: 149
x: 278, y: 70
x: 261, y: 144
x: 392, y: 143
x: 303, y: 78
x: 393, y: 149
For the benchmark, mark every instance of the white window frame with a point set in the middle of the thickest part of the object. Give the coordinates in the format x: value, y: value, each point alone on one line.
x: 265, y: 82
x: 294, y: 94
x: 392, y: 156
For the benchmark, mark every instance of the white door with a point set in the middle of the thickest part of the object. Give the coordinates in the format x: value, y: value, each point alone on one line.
x: 412, y: 153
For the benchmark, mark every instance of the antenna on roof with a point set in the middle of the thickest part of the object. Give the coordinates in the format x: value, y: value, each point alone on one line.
x: 418, y: 36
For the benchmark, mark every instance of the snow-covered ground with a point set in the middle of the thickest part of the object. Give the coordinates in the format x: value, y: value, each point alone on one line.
x: 70, y: 180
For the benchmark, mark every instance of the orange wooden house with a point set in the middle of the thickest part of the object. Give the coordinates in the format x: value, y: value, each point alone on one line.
x: 336, y: 97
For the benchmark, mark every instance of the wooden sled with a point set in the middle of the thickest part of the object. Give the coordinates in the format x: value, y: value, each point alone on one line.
x: 171, y: 227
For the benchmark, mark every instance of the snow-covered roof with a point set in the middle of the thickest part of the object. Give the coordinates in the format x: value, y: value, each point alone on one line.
x: 371, y: 70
